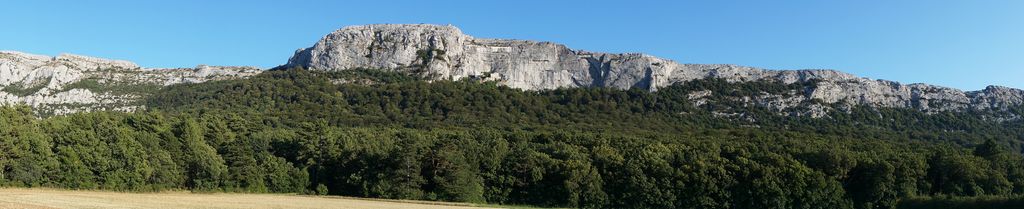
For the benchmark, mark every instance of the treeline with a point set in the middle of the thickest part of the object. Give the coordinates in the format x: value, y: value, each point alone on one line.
x: 285, y: 97
x: 394, y: 136
x: 735, y: 168
x: 139, y: 152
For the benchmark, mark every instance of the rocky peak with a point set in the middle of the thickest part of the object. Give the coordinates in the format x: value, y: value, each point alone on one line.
x: 70, y: 83
x: 998, y: 96
x: 16, y: 56
x: 385, y: 46
x: 446, y: 53
x: 87, y: 63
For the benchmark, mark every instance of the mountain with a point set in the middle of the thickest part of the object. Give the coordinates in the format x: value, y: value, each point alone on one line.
x: 73, y: 83
x: 444, y: 52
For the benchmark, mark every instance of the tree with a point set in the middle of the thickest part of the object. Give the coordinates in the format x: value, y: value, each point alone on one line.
x: 450, y: 176
x: 206, y: 168
x: 872, y: 185
x: 25, y: 155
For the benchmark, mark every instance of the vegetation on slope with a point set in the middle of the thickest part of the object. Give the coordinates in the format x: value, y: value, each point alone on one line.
x: 98, y: 85
x: 399, y: 137
x: 23, y: 89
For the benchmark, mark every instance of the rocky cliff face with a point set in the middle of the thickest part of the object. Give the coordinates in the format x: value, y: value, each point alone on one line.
x: 73, y: 83
x: 444, y: 52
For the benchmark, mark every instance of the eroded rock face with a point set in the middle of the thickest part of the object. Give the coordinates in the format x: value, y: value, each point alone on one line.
x: 73, y: 83
x: 444, y: 52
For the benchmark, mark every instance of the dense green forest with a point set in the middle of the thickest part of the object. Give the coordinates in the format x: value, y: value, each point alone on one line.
x: 370, y: 133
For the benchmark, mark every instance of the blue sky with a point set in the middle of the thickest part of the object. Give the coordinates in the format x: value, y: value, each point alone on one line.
x: 964, y: 44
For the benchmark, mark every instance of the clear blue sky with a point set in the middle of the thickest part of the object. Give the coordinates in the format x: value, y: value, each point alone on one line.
x: 966, y: 44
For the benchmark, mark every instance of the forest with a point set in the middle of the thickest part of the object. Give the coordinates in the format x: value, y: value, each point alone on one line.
x: 372, y: 133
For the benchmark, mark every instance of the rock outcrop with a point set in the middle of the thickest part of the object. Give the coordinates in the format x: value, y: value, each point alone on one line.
x: 74, y: 83
x: 444, y: 52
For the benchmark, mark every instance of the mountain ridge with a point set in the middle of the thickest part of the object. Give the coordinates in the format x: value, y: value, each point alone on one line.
x: 443, y: 52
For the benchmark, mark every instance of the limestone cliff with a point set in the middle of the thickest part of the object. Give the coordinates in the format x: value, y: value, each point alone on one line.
x: 444, y: 52
x: 74, y: 83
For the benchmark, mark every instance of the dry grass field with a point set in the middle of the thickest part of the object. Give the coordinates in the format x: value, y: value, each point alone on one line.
x: 53, y: 198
